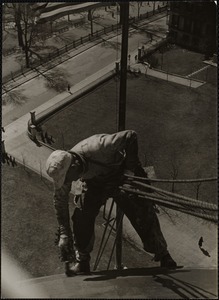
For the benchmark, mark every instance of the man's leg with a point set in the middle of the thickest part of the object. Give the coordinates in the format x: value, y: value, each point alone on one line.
x: 83, y: 228
x: 145, y: 221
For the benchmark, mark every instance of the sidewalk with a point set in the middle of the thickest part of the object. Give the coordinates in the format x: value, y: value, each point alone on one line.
x: 74, y: 34
x: 192, y: 83
x: 89, y: 59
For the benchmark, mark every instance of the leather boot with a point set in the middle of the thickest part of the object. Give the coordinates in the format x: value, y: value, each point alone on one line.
x: 80, y: 268
x: 167, y: 262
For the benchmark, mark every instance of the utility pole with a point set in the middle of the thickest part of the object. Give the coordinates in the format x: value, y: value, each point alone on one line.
x: 124, y: 11
x: 124, y: 18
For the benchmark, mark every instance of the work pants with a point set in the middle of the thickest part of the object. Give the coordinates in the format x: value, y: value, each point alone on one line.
x: 140, y: 212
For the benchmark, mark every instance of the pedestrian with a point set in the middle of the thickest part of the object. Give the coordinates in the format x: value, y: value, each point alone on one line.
x: 96, y: 166
x: 112, y: 14
x: 69, y: 88
x: 136, y: 57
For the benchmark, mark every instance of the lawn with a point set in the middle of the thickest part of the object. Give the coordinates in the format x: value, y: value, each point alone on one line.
x: 29, y: 226
x: 176, y: 126
x: 178, y: 60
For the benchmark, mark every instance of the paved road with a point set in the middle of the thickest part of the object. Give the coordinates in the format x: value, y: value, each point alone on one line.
x: 77, y: 68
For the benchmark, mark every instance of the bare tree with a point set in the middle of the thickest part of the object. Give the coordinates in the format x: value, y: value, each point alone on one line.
x: 139, y: 5
x: 174, y: 169
x: 90, y: 18
x: 24, y: 18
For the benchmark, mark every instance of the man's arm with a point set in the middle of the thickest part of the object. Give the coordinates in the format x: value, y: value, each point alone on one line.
x: 61, y: 197
x: 127, y: 141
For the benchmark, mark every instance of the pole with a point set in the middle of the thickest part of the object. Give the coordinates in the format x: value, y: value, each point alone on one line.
x: 123, y: 73
x: 124, y: 18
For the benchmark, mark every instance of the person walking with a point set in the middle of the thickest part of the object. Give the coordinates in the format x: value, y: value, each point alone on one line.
x: 96, y: 167
x: 69, y: 88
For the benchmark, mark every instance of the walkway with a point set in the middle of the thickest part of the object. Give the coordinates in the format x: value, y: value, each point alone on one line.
x: 89, y: 59
x: 192, y: 83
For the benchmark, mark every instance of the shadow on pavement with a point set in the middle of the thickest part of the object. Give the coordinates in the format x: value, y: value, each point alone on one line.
x: 177, y: 281
x: 112, y: 274
x: 183, y: 289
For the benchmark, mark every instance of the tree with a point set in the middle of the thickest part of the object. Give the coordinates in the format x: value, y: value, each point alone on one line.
x: 139, y: 5
x: 24, y: 18
x: 90, y: 18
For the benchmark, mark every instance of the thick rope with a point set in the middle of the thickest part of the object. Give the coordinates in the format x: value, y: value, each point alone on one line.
x: 162, y: 199
x: 172, y: 180
x: 184, y: 210
x: 188, y: 199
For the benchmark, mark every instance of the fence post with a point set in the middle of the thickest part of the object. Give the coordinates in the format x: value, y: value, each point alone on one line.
x: 12, y: 77
x: 33, y: 117
x: 33, y: 131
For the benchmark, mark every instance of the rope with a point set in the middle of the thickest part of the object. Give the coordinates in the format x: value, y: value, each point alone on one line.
x: 172, y: 180
x: 210, y: 205
x: 162, y: 199
x: 201, y: 215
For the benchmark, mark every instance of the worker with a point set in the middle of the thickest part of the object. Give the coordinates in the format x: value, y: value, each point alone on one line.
x: 95, y: 167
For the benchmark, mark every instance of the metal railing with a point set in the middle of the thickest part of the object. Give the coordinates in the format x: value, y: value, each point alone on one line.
x: 76, y: 43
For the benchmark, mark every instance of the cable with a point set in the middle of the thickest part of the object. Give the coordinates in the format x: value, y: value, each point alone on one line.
x: 173, y: 194
x: 172, y: 180
x: 194, y: 203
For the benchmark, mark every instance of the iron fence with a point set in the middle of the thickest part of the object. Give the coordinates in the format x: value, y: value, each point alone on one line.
x: 76, y: 43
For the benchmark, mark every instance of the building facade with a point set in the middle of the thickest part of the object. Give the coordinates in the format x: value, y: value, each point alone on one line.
x: 192, y: 25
